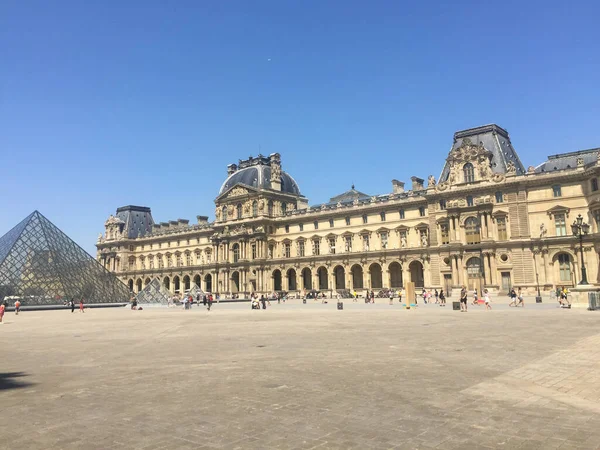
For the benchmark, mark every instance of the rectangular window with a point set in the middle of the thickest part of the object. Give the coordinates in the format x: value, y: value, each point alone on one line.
x: 316, y: 225
x: 422, y: 211
x: 365, y: 218
x: 287, y: 228
x: 208, y: 258
x: 384, y: 239
x: 330, y: 223
x: 402, y: 214
x: 347, y: 221
x: 161, y: 263
x: 469, y: 200
x: 286, y: 250
x: 596, y: 215
x: 445, y: 234
x: 499, y: 197
x: 179, y: 261
x: 188, y: 259
x: 316, y: 248
x: 442, y: 204
x: 271, y: 250
x: 131, y: 248
x: 332, y: 246
x: 301, y: 227
x: 561, y: 225
x: 594, y: 184
x: 501, y: 224
x: 143, y: 264
x: 365, y: 243
x: 556, y: 191
x: 382, y: 216
x: 301, y: 248
x: 348, y: 243
x: 253, y: 251
x: 151, y: 263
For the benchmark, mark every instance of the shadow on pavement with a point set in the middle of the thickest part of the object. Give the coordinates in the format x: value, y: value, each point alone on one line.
x: 10, y: 380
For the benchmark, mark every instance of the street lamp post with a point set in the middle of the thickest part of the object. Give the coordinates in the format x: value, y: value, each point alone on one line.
x: 580, y: 229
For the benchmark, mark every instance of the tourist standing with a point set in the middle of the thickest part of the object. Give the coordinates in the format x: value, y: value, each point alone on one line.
x: 437, y: 297
x: 442, y: 298
x: 513, y: 297
x: 210, y: 301
x: 81, y: 305
x: 17, y: 307
x: 391, y: 296
x: 263, y: 301
x: 72, y: 304
x: 204, y: 300
x: 2, y: 309
x: 486, y: 298
x: 463, y: 299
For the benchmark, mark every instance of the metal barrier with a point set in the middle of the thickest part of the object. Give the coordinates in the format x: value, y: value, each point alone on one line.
x: 593, y: 301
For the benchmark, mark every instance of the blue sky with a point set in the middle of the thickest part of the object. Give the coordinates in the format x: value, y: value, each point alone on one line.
x: 104, y: 104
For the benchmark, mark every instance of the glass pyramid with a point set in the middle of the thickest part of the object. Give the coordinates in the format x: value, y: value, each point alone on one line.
x: 153, y: 294
x: 41, y: 265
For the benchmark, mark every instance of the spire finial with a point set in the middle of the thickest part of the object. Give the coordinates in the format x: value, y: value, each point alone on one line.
x: 352, y: 186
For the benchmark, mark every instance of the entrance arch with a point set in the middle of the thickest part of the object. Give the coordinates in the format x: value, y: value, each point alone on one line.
x: 139, y: 284
x: 416, y: 273
x: 197, y: 281
x: 235, y: 282
x: 376, y: 276
x: 176, y: 284
x: 322, y: 275
x: 357, y: 276
x: 277, y: 280
x: 396, y: 275
x: 167, y: 283
x: 130, y: 284
x: 291, y: 279
x: 146, y: 282
x: 186, y: 283
x: 307, y: 278
x: 208, y: 282
x: 340, y: 277
x: 474, y: 273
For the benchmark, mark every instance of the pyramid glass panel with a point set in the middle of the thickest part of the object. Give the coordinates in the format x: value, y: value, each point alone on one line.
x: 153, y: 294
x: 42, y: 266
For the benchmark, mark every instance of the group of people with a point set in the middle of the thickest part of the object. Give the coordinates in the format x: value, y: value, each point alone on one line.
x: 440, y: 297
x: 464, y: 298
x: 562, y: 295
x: 256, y: 303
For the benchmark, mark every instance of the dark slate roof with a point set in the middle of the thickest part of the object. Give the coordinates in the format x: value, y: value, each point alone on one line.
x: 496, y: 140
x: 564, y: 161
x: 259, y: 176
x: 138, y: 220
x: 349, y: 196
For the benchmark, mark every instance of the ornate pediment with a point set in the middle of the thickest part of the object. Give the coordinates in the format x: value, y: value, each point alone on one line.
x: 237, y: 192
x: 476, y: 155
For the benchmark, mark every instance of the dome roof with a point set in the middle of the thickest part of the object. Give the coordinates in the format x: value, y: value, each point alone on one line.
x: 259, y: 176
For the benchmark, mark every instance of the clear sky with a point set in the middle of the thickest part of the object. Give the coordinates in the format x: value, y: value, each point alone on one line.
x: 110, y: 103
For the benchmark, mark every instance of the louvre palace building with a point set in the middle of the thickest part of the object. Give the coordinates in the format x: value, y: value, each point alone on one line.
x: 486, y: 222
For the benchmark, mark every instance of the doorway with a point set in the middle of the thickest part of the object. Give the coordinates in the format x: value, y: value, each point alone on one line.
x: 506, y: 282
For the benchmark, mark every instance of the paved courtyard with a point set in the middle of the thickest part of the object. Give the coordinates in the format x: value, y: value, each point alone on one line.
x: 301, y: 377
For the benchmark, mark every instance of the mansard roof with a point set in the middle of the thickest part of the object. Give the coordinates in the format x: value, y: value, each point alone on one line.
x: 563, y: 161
x: 494, y: 139
x: 349, y: 196
x: 138, y: 220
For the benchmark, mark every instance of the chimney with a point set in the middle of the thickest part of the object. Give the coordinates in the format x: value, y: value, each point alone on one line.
x: 275, y: 160
x: 397, y: 187
x: 202, y: 220
x: 231, y: 169
x: 417, y: 183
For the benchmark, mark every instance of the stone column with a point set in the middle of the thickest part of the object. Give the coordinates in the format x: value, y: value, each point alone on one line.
x: 454, y: 273
x: 368, y: 285
x: 386, y: 279
x: 405, y: 274
x: 426, y: 272
x: 349, y: 279
x: 315, y: 280
x: 493, y: 269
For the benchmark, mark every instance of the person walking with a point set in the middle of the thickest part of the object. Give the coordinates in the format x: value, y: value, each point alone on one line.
x: 521, y: 299
x: 400, y: 296
x: 437, y: 296
x: 17, y: 307
x: 475, y: 297
x: 210, y: 301
x: 424, y: 295
x: 486, y: 298
x: 442, y: 298
x: 2, y: 309
x: 72, y: 305
x: 463, y: 299
x: 263, y: 301
x: 81, y: 306
x: 513, y: 297
x: 204, y: 300
x: 391, y: 296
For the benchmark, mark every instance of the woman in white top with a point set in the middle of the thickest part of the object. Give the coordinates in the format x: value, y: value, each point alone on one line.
x: 486, y: 298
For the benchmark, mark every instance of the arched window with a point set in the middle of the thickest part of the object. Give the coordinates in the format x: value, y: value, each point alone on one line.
x: 564, y: 267
x: 469, y: 173
x: 224, y: 213
x: 283, y: 208
x: 472, y: 231
x: 254, y: 208
x: 238, y: 208
x: 236, y: 252
x: 474, y: 267
x: 270, y: 208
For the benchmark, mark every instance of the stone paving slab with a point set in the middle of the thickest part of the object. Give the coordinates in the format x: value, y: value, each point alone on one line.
x: 301, y: 376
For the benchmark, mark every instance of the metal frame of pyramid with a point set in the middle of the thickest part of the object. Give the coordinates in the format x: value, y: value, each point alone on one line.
x: 41, y: 265
x: 154, y: 294
x: 194, y: 290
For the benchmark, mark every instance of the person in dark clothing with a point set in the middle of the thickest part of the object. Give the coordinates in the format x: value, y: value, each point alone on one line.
x: 204, y: 299
x: 263, y: 300
x: 72, y: 305
x: 210, y: 301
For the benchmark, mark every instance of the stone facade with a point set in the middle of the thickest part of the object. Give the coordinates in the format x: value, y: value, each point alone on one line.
x: 488, y: 222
